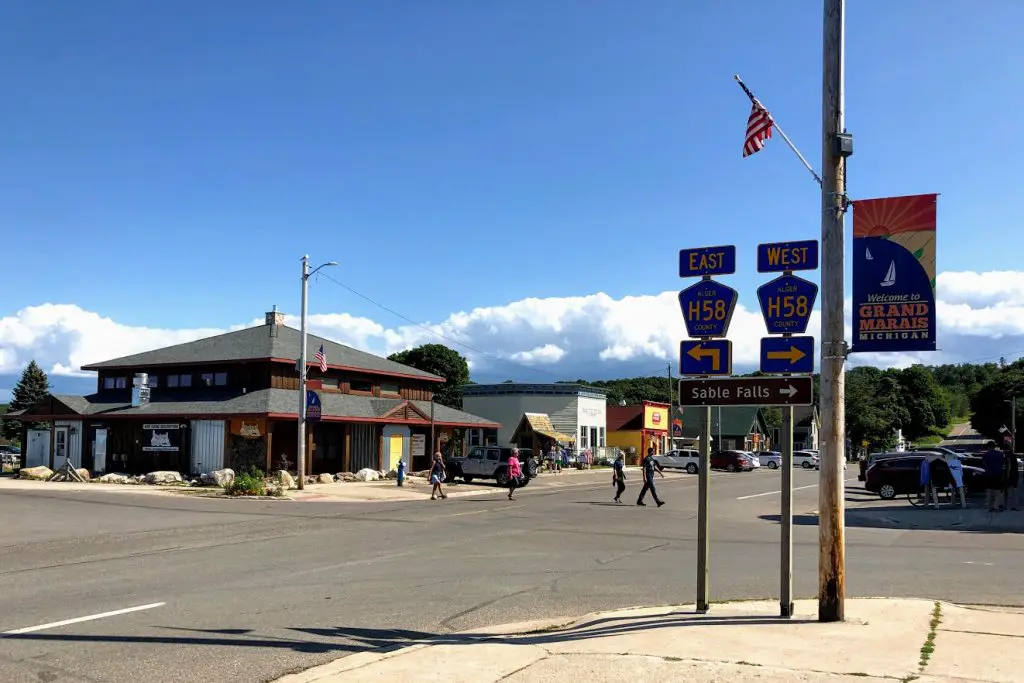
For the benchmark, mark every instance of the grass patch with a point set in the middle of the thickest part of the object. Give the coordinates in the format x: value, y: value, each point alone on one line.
x: 929, y: 643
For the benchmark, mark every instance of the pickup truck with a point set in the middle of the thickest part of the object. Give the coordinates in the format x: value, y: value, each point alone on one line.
x: 490, y: 462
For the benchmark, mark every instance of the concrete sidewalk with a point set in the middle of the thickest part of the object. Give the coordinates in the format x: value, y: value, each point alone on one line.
x: 415, y: 488
x: 883, y: 639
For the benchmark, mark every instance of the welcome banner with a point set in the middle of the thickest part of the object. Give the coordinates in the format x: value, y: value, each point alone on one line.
x: 894, y: 274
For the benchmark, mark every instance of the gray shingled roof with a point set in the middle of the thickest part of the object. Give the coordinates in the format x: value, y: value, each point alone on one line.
x: 268, y: 401
x: 256, y: 342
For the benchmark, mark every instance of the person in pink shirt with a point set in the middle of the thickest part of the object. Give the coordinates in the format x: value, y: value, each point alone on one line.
x: 515, y: 472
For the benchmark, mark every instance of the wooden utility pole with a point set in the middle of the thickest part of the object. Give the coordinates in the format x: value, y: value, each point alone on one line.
x: 832, y: 544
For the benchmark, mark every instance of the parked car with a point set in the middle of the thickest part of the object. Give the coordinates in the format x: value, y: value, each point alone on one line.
x: 770, y: 459
x: 755, y: 461
x: 681, y: 459
x: 868, y: 462
x: 808, y: 460
x: 890, y: 477
x: 733, y: 461
x: 490, y: 462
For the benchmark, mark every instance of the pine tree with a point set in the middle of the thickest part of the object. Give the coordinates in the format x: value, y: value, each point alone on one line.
x: 33, y: 387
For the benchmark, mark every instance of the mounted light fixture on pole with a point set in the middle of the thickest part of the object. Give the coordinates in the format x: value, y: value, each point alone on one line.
x: 301, y: 452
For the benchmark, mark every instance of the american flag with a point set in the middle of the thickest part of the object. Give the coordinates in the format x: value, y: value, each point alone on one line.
x: 759, y: 129
x: 321, y: 358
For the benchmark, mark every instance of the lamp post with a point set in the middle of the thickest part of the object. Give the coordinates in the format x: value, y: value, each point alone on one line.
x: 1013, y: 422
x: 301, y: 457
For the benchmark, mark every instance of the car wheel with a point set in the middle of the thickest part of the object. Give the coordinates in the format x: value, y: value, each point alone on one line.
x: 467, y: 479
x: 887, y: 492
x: 691, y: 468
x: 772, y: 465
x: 806, y: 465
x: 531, y: 469
x: 502, y: 479
x: 736, y: 468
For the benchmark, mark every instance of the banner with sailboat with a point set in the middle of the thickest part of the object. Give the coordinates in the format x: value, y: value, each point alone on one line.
x: 894, y: 274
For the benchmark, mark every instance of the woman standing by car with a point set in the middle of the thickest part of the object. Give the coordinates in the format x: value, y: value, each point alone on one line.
x: 515, y: 472
x: 436, y: 477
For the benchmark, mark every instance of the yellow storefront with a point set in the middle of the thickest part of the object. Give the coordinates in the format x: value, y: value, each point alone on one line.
x: 636, y: 428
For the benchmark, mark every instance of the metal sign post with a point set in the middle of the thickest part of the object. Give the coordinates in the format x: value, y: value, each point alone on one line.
x: 786, y: 304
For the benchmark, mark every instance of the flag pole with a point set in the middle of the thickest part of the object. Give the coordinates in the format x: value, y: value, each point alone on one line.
x: 775, y: 124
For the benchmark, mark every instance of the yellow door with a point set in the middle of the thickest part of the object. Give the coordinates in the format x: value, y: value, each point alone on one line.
x: 394, y: 451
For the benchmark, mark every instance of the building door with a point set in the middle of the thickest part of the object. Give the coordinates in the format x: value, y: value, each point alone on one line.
x: 60, y: 447
x: 396, y: 443
x: 594, y: 443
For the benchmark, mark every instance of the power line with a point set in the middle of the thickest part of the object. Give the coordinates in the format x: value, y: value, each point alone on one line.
x: 435, y: 332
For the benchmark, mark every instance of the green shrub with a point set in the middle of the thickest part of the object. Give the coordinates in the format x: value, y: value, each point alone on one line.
x: 248, y: 483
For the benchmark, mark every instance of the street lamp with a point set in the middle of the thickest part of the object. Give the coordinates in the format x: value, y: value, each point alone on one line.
x: 301, y: 458
x: 1013, y: 423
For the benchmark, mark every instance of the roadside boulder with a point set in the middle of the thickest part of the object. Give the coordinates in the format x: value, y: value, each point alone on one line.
x: 367, y: 475
x: 220, y: 478
x: 345, y: 477
x: 286, y: 480
x: 325, y: 478
x: 84, y: 473
x: 163, y: 477
x: 41, y: 473
x: 393, y: 474
x: 113, y: 478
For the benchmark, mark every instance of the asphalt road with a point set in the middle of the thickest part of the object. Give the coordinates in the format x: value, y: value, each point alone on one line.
x: 963, y: 435
x: 251, y: 590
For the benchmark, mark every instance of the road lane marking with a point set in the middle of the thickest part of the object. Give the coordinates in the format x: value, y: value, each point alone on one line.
x: 480, y: 512
x: 798, y: 488
x: 78, y: 620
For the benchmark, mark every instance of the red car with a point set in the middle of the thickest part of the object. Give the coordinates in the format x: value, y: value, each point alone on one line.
x: 733, y: 461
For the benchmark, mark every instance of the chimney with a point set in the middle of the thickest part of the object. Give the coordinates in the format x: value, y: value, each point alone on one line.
x: 273, y: 319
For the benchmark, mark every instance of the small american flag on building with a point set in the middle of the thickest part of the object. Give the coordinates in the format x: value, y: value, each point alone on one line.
x: 321, y: 358
x: 759, y: 129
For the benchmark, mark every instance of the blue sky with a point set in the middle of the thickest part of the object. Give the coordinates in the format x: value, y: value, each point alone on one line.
x: 166, y: 164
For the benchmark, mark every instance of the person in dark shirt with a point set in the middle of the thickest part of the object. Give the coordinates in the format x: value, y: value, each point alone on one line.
x: 650, y: 465
x: 619, y: 477
x: 993, y: 461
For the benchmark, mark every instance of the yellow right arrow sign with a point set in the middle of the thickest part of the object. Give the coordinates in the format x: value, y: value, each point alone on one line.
x: 792, y: 355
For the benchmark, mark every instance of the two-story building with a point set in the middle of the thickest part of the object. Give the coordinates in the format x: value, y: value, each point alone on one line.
x: 577, y: 411
x: 233, y: 401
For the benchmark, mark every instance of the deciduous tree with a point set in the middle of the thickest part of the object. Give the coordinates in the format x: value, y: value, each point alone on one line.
x: 439, y: 360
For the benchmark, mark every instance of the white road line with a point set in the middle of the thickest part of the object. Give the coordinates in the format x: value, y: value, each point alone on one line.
x: 798, y: 488
x: 78, y: 620
x: 772, y: 493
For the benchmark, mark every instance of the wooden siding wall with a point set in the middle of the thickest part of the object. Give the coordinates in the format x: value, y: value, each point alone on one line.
x: 285, y: 377
x: 255, y: 376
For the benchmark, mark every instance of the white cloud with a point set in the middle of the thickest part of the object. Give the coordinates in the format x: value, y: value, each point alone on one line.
x: 981, y: 317
x: 547, y: 354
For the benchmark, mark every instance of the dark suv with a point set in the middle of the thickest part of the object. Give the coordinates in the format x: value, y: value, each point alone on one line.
x: 490, y: 462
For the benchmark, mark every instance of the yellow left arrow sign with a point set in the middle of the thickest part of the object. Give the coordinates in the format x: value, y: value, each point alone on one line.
x: 698, y: 352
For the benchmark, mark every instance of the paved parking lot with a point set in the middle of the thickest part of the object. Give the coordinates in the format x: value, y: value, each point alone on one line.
x: 232, y: 590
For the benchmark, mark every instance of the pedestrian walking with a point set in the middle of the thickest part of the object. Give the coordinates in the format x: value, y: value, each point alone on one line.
x: 650, y: 465
x: 401, y: 473
x: 1011, y: 496
x: 515, y: 472
x: 437, y: 477
x: 619, y: 477
x: 993, y: 461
